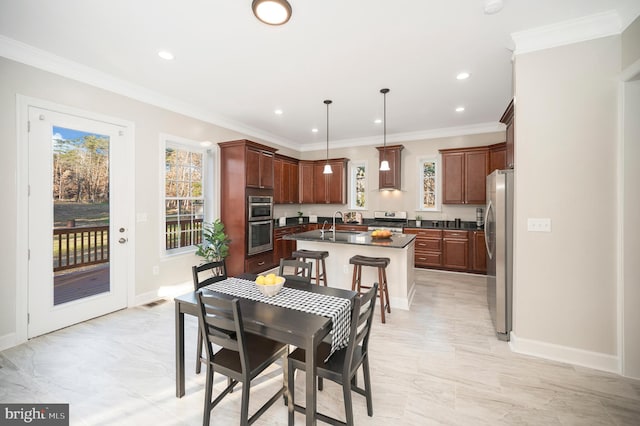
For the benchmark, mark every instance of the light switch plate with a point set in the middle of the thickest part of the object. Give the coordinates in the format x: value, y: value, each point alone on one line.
x: 539, y: 224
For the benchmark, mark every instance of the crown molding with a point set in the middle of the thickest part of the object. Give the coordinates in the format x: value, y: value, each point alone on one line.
x: 446, y: 132
x: 568, y: 32
x: 41, y: 59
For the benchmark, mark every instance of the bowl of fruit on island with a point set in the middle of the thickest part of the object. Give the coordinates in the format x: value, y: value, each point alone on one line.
x: 269, y: 284
x: 381, y: 233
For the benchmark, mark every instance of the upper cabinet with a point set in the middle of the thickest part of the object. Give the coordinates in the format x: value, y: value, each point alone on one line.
x: 285, y: 185
x: 497, y: 157
x: 305, y: 181
x: 391, y: 179
x: 259, y: 166
x: 330, y: 188
x: 508, y: 119
x: 464, y: 175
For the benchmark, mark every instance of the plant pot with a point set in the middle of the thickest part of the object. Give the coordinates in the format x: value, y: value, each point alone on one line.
x: 418, y: 223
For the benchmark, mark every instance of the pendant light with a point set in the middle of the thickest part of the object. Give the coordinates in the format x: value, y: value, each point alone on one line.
x: 272, y: 12
x: 327, y: 167
x: 384, y: 164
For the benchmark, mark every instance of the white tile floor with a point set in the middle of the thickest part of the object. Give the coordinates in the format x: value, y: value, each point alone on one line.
x: 436, y: 364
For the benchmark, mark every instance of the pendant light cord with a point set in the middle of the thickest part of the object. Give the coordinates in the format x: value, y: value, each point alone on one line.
x: 384, y: 124
x: 327, y: 102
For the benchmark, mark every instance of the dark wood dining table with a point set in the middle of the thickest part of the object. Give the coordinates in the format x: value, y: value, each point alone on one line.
x: 285, y: 325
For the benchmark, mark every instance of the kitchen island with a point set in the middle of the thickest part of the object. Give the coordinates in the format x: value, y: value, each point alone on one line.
x: 344, y: 244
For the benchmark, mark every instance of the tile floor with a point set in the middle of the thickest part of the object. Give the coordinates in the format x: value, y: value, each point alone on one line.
x: 436, y: 364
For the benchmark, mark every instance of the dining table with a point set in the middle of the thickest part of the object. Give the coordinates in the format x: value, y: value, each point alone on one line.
x: 284, y: 324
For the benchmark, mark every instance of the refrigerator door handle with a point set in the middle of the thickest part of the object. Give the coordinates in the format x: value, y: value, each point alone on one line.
x: 486, y: 240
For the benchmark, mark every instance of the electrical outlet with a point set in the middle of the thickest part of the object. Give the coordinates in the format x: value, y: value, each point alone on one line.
x: 539, y: 225
x: 346, y: 269
x: 156, y: 270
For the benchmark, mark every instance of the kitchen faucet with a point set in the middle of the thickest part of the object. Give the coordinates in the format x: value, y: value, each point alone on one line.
x: 333, y: 228
x: 322, y: 230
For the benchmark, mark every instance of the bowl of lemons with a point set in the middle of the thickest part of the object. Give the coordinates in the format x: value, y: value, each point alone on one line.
x: 270, y: 284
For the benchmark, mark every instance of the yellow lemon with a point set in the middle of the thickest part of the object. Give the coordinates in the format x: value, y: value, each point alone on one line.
x: 271, y: 276
x: 270, y: 279
x: 260, y: 280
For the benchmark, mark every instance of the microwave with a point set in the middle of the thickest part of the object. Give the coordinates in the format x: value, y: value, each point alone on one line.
x: 260, y: 207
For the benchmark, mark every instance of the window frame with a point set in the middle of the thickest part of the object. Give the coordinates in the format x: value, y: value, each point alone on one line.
x: 436, y: 159
x: 176, y: 142
x: 353, y: 166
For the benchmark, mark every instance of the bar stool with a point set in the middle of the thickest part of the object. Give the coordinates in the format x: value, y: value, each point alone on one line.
x: 356, y: 284
x: 319, y: 257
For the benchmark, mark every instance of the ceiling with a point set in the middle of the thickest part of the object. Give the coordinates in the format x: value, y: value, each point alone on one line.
x: 233, y: 70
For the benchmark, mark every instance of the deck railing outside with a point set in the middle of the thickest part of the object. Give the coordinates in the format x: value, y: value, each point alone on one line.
x: 183, y: 234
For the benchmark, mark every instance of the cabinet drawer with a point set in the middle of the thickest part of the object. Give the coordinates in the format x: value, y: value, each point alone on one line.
x: 424, y: 233
x: 259, y: 263
x: 428, y: 259
x: 429, y: 244
x: 458, y: 235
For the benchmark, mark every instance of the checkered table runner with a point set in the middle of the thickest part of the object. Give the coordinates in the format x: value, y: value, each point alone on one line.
x: 336, y: 308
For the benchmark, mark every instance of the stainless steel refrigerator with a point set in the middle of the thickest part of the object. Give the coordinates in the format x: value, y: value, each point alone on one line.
x: 498, y: 227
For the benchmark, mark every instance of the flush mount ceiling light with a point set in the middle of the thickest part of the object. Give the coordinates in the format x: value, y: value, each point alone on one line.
x: 463, y: 75
x: 165, y: 54
x: 278, y: 112
x: 327, y: 167
x: 459, y: 109
x: 384, y: 164
x: 272, y: 12
x: 492, y: 6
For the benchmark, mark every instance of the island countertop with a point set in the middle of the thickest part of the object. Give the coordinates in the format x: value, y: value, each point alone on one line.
x: 399, y: 241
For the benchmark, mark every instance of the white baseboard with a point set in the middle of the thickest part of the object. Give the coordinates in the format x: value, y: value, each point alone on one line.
x: 8, y: 341
x: 166, y: 292
x: 595, y: 360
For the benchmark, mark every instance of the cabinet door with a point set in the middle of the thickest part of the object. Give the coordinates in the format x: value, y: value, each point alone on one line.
x: 319, y: 184
x: 497, y: 159
x: 306, y: 173
x: 453, y: 178
x: 293, y: 183
x: 478, y: 252
x: 279, y: 185
x: 253, y: 168
x: 476, y: 164
x: 391, y: 179
x: 266, y: 169
x: 455, y: 250
x: 336, y: 183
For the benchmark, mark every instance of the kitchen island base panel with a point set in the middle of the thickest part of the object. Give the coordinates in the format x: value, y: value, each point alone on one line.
x: 400, y: 272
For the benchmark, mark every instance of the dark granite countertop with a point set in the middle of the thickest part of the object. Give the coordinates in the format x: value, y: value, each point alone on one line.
x: 426, y: 224
x: 352, y: 237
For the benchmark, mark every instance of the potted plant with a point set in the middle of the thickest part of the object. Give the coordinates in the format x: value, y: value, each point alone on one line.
x: 300, y: 219
x: 418, y: 220
x: 215, y: 245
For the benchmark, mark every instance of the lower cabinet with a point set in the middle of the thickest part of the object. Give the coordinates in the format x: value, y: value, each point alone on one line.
x: 454, y: 250
x: 259, y: 262
x: 478, y: 256
x: 347, y: 227
x: 428, y: 248
x: 282, y: 248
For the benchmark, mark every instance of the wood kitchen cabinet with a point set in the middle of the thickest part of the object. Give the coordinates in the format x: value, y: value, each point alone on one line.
x: 497, y: 157
x: 391, y: 179
x: 349, y: 227
x: 428, y: 248
x: 478, y: 252
x: 259, y: 167
x: 330, y: 188
x: 455, y: 249
x: 246, y: 168
x: 464, y: 175
x: 285, y: 185
x: 508, y: 119
x: 305, y: 182
x: 282, y: 248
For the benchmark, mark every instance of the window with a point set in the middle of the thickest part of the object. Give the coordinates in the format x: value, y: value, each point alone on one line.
x: 358, y: 196
x: 428, y: 185
x: 185, y: 203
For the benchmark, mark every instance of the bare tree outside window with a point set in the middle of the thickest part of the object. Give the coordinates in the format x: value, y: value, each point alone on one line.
x: 428, y: 169
x: 358, y: 185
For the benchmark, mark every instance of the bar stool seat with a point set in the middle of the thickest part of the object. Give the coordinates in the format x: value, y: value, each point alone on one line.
x: 381, y: 263
x: 319, y: 257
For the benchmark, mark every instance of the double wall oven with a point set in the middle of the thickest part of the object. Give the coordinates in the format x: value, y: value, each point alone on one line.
x: 259, y: 224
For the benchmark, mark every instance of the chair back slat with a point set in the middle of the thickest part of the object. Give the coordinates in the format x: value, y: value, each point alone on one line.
x: 221, y: 323
x: 295, y: 270
x: 208, y: 273
x: 361, y: 320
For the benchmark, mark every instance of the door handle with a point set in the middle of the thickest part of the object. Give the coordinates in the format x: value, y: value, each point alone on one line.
x: 487, y: 234
x: 122, y: 240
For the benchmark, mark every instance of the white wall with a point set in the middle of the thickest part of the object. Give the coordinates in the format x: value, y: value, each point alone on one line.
x: 566, y: 151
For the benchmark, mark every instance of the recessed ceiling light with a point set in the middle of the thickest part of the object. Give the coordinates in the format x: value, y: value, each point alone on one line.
x: 206, y: 144
x: 165, y: 54
x: 278, y: 112
x: 492, y: 6
x: 459, y: 109
x: 463, y: 75
x: 377, y: 121
x: 314, y: 130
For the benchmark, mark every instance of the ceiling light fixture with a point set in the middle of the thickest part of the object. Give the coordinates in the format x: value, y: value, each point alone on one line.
x: 165, y: 54
x: 459, y: 109
x: 272, y: 12
x: 463, y: 75
x: 384, y: 164
x: 492, y: 6
x: 278, y: 112
x: 314, y: 130
x: 327, y: 167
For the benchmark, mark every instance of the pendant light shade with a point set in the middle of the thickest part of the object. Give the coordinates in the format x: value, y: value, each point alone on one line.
x: 384, y: 164
x: 272, y: 12
x: 327, y: 167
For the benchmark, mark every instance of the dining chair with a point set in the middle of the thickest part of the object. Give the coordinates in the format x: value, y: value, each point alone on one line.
x: 343, y: 365
x: 203, y: 275
x: 240, y: 356
x: 295, y: 270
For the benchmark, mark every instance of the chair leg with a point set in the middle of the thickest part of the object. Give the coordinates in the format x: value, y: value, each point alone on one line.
x: 381, y: 290
x: 291, y: 389
x: 206, y: 418
x: 317, y: 272
x: 199, y: 353
x: 386, y: 289
x: 353, y: 280
x: 244, y: 408
x: 348, y: 404
x: 324, y: 273
x: 367, y: 385
x: 320, y: 383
